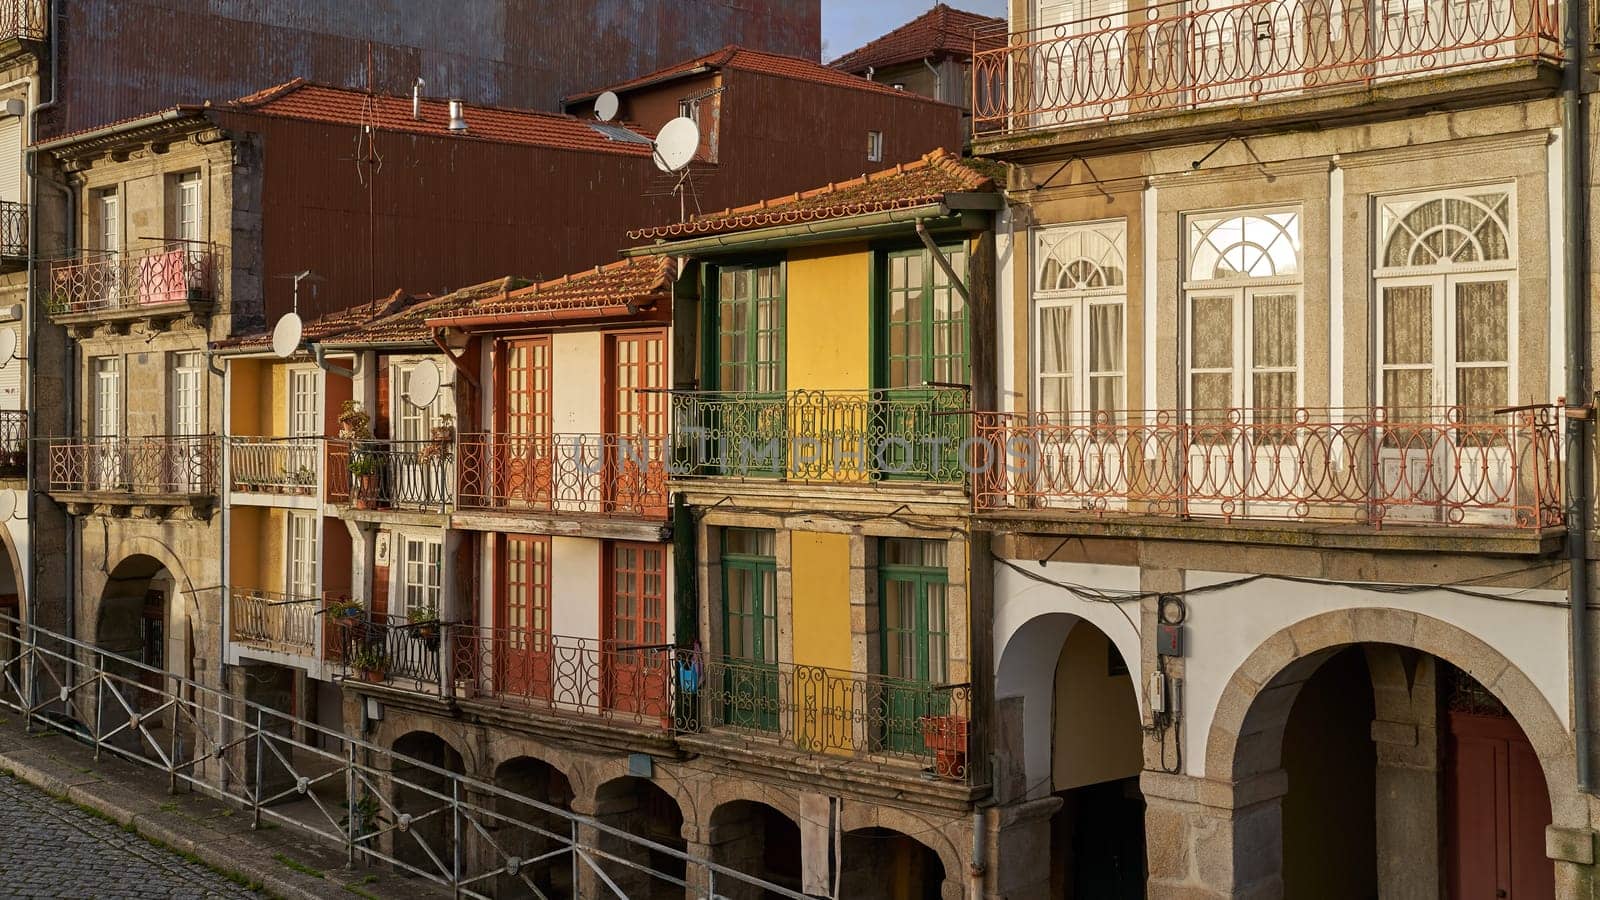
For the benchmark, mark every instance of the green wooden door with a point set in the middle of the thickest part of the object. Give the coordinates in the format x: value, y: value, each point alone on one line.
x: 912, y: 589
x: 925, y: 330
x: 749, y: 629
x: 746, y: 370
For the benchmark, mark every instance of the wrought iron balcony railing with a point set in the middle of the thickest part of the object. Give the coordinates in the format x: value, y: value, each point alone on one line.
x: 828, y: 711
x: 274, y: 621
x: 389, y: 649
x: 156, y: 465
x: 1376, y: 467
x: 566, y: 675
x: 13, y: 443
x: 13, y: 230
x: 392, y: 474
x: 27, y: 20
x: 1140, y: 59
x: 829, y: 436
x: 274, y: 465
x: 609, y: 474
x: 133, y: 280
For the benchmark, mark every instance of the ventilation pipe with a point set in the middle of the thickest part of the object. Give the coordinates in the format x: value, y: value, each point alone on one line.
x: 416, y: 98
x: 458, y: 122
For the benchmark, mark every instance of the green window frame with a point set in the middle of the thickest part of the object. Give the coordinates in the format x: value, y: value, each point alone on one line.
x: 914, y: 638
x: 747, y: 320
x: 750, y: 628
x: 926, y: 323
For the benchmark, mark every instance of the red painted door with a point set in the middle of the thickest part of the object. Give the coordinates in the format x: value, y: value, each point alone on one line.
x: 636, y: 659
x: 1496, y: 810
x: 525, y: 439
x: 637, y: 418
x: 521, y: 648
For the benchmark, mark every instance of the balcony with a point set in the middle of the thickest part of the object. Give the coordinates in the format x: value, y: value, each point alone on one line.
x: 1373, y: 468
x: 274, y: 466
x: 13, y: 234
x: 594, y: 474
x: 384, y: 649
x: 24, y: 20
x: 405, y: 475
x: 13, y: 444
x: 836, y: 437
x: 274, y: 621
x: 1176, y: 57
x: 158, y: 471
x: 158, y: 283
x: 813, y: 710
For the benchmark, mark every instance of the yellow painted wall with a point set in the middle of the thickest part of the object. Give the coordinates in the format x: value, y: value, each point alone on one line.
x: 829, y: 308
x: 244, y: 402
x: 257, y: 558
x: 820, y: 566
x: 1097, y: 728
x: 277, y: 401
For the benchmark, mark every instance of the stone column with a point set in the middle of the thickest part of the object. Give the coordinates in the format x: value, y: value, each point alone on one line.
x: 1405, y: 735
x: 1019, y: 849
x: 1214, y: 839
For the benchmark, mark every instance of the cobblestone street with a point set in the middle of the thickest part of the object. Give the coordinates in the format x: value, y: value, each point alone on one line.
x: 53, y: 849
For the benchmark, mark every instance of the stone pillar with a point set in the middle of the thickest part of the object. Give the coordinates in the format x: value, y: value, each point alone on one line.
x: 1214, y: 839
x: 1405, y: 735
x: 1019, y: 849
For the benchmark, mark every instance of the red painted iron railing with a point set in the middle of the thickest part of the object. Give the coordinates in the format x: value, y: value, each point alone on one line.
x: 1377, y: 467
x: 567, y: 675
x: 274, y: 620
x: 26, y: 20
x: 616, y: 475
x: 133, y: 280
x: 1183, y: 55
x: 161, y: 464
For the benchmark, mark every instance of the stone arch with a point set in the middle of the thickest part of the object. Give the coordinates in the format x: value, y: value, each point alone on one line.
x: 931, y: 833
x: 1255, y: 703
x: 428, y: 843
x: 732, y: 790
x: 644, y: 808
x: 528, y: 832
x: 874, y: 858
x: 144, y: 545
x: 756, y: 839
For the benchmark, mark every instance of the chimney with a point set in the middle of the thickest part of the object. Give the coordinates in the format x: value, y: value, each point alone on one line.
x: 416, y: 98
x: 457, y: 121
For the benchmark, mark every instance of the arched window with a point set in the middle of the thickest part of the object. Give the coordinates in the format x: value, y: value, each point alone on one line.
x: 1254, y: 245
x: 1444, y: 231
x: 1080, y: 292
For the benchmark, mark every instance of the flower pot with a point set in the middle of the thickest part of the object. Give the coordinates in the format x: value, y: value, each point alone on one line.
x: 947, y: 737
x: 372, y: 676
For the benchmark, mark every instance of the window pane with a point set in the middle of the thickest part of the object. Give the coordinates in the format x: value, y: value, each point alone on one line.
x: 1481, y: 325
x: 1407, y: 389
x: 1105, y: 337
x: 1408, y: 325
x: 1211, y: 333
x: 1213, y: 391
x: 1055, y: 339
x: 1273, y: 330
x: 1482, y: 387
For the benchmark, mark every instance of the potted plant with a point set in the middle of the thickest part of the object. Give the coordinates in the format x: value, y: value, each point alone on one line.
x: 370, y: 662
x: 355, y: 423
x: 13, y: 462
x: 364, y: 817
x: 424, y: 621
x: 441, y: 441
x: 366, y: 478
x: 345, y: 610
x: 947, y: 737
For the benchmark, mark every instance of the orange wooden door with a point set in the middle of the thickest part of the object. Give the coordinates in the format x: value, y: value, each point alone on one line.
x: 526, y: 475
x: 635, y: 662
x: 1496, y: 810
x: 521, y: 650
x: 636, y: 412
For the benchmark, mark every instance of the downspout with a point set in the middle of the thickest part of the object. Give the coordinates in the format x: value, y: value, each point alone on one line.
x: 938, y: 80
x: 980, y: 853
x: 1578, y: 409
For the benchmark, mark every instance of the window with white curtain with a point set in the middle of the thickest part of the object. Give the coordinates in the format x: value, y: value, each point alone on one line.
x: 1446, y: 293
x: 1242, y: 304
x: 1080, y: 293
x: 422, y: 574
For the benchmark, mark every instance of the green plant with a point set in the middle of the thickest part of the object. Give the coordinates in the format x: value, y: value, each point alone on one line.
x: 369, y: 658
x: 345, y: 608
x: 422, y: 615
x: 364, y: 463
x: 355, y: 423
x: 364, y: 814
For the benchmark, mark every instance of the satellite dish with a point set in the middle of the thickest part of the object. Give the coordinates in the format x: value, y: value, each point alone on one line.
x: 8, y: 505
x: 424, y: 384
x: 286, y: 336
x: 676, y: 144
x: 605, y: 106
x: 8, y: 345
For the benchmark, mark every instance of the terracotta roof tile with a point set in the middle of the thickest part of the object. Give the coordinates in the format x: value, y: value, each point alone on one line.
x: 410, y: 326
x: 308, y: 101
x: 642, y: 281
x: 745, y: 59
x: 917, y: 183
x: 941, y: 31
x: 330, y: 325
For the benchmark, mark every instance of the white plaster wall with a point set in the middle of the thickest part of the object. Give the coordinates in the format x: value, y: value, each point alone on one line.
x: 576, y: 361
x: 1027, y: 653
x: 1225, y: 627
x: 17, y: 531
x: 575, y: 587
x: 1005, y: 263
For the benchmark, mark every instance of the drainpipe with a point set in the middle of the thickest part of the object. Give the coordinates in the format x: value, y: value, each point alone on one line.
x: 980, y: 853
x: 938, y: 80
x: 1574, y: 238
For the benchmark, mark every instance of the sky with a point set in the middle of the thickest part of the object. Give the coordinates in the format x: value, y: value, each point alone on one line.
x: 847, y: 24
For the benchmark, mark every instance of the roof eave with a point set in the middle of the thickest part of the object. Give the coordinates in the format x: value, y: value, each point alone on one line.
x: 954, y: 207
x: 166, y: 116
x: 649, y: 81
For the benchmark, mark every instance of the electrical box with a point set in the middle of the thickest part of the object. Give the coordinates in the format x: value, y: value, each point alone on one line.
x: 1169, y: 640
x: 641, y: 765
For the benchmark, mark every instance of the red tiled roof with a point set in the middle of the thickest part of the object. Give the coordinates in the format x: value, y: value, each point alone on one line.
x: 410, y: 326
x: 742, y: 58
x: 917, y: 183
x: 331, y: 324
x: 641, y: 282
x: 941, y: 31
x: 308, y: 101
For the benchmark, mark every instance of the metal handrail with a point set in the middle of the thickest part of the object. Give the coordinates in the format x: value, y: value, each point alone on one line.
x: 610, y: 474
x: 184, y: 464
x: 173, y: 272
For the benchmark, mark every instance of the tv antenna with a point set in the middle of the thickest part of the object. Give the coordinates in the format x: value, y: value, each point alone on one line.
x: 673, y: 150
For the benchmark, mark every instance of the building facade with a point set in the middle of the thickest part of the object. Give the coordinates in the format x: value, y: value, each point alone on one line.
x: 930, y: 55
x: 1293, y: 399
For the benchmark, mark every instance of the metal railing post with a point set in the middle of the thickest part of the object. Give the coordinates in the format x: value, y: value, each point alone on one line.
x: 99, y: 703
x: 33, y: 694
x: 350, y: 803
x: 573, y: 851
x: 255, y: 792
x: 455, y: 843
x: 172, y: 745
